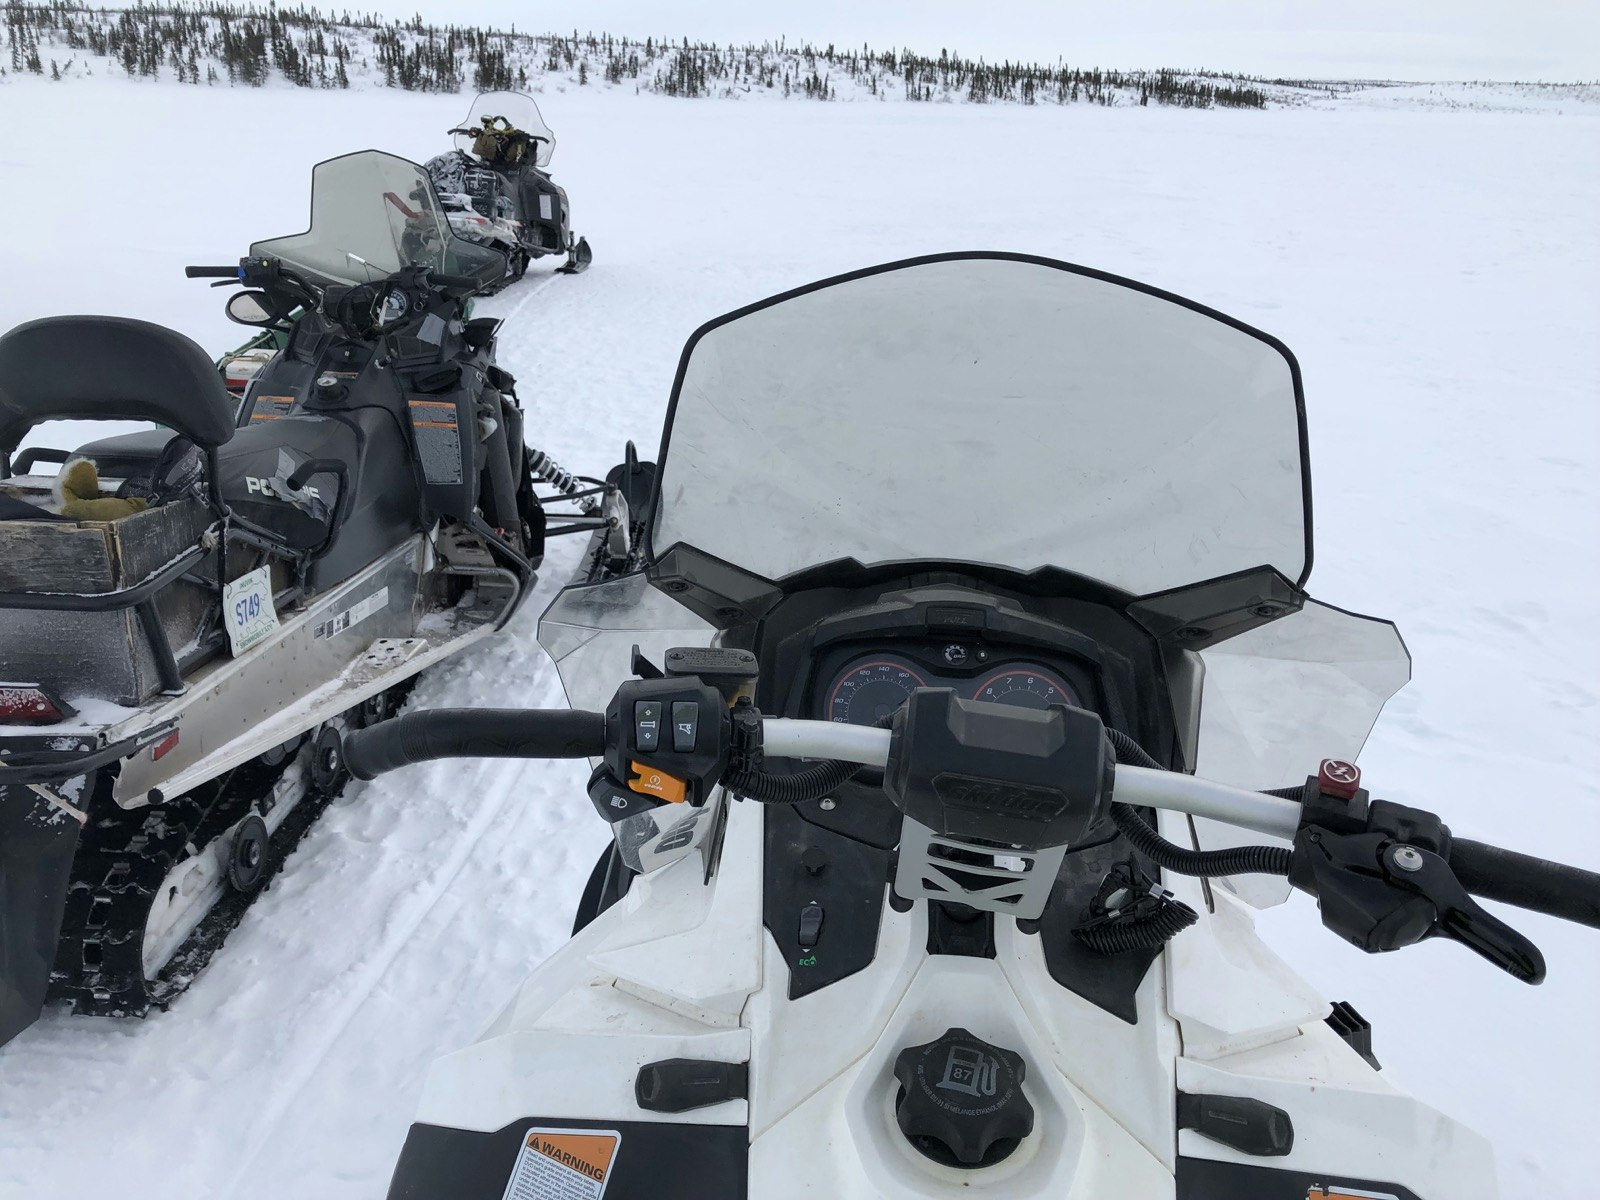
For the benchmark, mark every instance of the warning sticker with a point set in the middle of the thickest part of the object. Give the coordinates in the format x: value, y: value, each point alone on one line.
x: 271, y: 408
x: 563, y: 1164
x: 354, y: 615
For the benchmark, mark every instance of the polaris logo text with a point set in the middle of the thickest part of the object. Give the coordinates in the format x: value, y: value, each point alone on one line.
x: 254, y: 485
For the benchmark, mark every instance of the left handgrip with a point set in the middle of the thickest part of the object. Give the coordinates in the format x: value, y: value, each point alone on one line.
x: 212, y: 272
x: 474, y: 733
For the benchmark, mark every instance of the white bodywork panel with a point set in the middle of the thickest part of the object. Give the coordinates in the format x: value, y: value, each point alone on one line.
x: 683, y: 967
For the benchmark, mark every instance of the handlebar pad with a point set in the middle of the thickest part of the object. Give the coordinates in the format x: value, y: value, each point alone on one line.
x: 212, y: 272
x: 1526, y: 881
x: 474, y: 733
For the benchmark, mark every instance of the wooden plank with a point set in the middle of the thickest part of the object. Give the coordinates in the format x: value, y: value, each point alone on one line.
x: 55, y: 556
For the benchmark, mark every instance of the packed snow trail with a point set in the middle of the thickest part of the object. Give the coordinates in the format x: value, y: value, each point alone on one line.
x: 1437, y: 274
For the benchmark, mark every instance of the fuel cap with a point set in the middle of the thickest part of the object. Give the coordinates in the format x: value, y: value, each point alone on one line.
x: 961, y: 1100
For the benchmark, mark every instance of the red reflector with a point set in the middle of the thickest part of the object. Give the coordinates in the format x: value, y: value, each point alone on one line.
x: 29, y: 704
x: 160, y: 749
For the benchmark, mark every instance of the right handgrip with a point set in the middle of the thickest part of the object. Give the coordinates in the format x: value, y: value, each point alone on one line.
x: 1526, y: 881
x: 212, y: 272
x: 474, y: 733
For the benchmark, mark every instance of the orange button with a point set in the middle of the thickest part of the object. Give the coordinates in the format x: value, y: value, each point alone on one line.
x: 651, y: 782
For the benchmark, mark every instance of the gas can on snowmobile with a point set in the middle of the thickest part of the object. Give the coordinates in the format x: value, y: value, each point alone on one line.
x: 495, y: 188
x: 937, y: 827
x: 261, y: 572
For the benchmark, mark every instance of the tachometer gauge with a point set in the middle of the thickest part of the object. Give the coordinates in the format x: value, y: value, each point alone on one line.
x: 1026, y: 686
x: 869, y: 691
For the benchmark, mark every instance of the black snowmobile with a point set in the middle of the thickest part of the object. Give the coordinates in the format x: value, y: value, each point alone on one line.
x: 192, y: 616
x: 496, y: 191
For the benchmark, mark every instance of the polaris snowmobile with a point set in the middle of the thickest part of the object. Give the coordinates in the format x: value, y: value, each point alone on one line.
x: 190, y: 616
x: 937, y: 823
x: 496, y: 191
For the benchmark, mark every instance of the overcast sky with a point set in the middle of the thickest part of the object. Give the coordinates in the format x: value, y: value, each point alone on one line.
x: 1409, y: 39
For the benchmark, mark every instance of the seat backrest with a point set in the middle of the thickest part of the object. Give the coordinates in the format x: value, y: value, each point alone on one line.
x: 109, y: 369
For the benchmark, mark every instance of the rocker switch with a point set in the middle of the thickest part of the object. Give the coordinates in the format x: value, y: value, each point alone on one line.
x: 685, y: 725
x: 647, y: 724
x: 810, y: 925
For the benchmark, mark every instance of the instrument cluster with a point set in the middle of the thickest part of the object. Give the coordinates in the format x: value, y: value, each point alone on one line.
x: 870, y: 686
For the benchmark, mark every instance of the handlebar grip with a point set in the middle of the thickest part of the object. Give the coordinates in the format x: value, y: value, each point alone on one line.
x: 1527, y: 881
x: 474, y: 733
x: 456, y: 283
x: 232, y: 272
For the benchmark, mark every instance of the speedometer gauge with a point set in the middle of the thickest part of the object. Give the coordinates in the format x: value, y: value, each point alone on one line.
x: 869, y: 691
x: 1026, y: 686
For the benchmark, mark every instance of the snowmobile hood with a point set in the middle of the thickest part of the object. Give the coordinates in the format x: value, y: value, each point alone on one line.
x: 992, y: 409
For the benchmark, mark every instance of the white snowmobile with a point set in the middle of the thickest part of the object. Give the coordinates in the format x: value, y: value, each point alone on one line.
x: 983, y: 920
x: 497, y: 192
x: 183, y: 646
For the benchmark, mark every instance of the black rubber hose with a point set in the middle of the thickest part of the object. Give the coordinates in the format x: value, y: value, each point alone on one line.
x: 812, y: 784
x: 474, y: 733
x: 1239, y: 860
x: 1151, y: 934
x: 1527, y: 881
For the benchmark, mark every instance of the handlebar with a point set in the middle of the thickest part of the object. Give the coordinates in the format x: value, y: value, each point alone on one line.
x: 1483, y: 870
x: 474, y: 733
x: 454, y: 283
x: 232, y: 272
x: 1526, y: 881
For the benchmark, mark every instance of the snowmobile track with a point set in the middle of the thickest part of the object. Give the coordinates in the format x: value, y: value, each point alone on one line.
x: 124, y: 858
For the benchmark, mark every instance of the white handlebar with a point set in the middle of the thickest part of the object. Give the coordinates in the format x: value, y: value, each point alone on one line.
x: 1141, y: 787
x: 783, y: 737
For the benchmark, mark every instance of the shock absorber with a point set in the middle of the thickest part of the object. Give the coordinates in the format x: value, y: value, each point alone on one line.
x: 547, y: 470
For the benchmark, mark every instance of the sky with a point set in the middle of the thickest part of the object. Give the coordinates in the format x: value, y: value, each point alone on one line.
x: 1555, y: 40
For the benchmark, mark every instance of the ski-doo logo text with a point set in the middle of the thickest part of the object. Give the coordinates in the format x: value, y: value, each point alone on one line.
x: 970, y: 1071
x: 996, y: 795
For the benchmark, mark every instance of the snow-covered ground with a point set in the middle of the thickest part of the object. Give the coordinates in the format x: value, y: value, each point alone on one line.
x: 1436, y: 270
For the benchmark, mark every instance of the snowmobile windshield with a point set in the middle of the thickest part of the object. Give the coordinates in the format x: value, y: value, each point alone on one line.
x: 989, y: 409
x: 488, y: 132
x: 371, y: 215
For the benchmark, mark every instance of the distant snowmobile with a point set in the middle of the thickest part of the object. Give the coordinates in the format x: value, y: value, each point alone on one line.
x: 495, y: 189
x: 981, y: 924
x: 191, y: 617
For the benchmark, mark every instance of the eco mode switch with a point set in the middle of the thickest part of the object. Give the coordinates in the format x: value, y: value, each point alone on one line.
x: 685, y: 725
x: 647, y: 724
x: 810, y: 925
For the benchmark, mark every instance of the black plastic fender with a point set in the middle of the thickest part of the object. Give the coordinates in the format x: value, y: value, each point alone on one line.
x: 37, y: 842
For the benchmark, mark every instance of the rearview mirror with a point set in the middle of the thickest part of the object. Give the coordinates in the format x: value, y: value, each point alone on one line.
x: 251, y: 308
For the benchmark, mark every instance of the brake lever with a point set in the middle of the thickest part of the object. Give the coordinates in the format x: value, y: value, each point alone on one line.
x: 1459, y: 917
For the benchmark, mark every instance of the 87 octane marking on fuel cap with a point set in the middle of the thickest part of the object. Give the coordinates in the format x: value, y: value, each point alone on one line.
x: 563, y: 1164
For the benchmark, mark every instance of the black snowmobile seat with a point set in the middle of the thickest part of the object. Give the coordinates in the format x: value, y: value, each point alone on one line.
x: 109, y: 369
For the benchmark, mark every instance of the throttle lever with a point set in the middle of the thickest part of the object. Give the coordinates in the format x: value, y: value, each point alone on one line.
x: 1381, y: 894
x: 1459, y: 916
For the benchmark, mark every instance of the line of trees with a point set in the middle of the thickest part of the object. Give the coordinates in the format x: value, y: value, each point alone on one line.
x: 248, y: 44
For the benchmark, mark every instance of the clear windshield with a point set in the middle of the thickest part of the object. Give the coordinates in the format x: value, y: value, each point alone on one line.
x: 987, y: 410
x: 1017, y: 414
x: 371, y: 215
x: 488, y: 133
